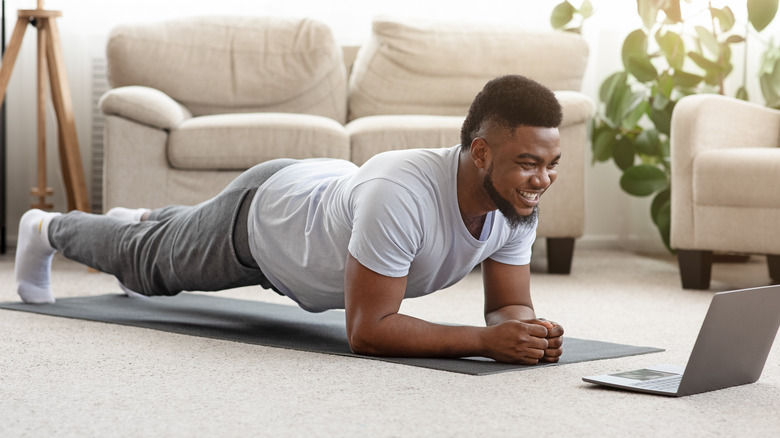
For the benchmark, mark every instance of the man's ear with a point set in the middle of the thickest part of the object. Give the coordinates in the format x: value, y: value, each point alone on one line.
x: 480, y: 152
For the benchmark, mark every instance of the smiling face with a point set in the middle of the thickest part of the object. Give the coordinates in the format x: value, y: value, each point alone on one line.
x: 518, y: 166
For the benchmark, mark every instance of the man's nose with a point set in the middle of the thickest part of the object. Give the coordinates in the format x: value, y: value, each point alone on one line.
x: 542, y: 179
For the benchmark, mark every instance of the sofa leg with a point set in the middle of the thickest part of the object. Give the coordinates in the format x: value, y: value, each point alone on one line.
x: 695, y: 268
x: 560, y: 251
x: 773, y: 261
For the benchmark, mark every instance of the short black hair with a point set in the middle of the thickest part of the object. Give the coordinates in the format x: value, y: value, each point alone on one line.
x: 511, y: 101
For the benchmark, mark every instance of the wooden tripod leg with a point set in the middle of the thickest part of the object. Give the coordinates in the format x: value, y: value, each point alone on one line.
x: 41, y: 191
x: 11, y: 53
x: 70, y: 157
x: 70, y: 192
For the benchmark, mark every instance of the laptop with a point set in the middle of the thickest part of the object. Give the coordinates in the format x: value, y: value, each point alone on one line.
x: 732, y: 347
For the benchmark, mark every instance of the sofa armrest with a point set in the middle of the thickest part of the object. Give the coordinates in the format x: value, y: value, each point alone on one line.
x: 577, y: 107
x: 144, y: 105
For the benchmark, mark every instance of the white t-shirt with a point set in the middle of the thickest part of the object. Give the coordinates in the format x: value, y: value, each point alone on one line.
x: 397, y: 215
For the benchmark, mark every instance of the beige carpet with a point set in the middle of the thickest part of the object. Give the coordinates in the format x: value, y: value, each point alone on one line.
x: 61, y: 377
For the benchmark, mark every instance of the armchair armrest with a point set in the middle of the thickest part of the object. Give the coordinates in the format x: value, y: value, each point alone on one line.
x: 709, y: 121
x: 144, y: 105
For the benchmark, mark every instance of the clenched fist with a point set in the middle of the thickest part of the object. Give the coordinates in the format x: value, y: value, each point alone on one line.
x: 524, y: 342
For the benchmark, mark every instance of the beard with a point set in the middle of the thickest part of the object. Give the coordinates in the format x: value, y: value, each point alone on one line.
x: 506, y: 208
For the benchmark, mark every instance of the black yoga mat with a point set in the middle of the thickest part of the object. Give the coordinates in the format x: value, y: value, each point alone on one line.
x: 277, y: 325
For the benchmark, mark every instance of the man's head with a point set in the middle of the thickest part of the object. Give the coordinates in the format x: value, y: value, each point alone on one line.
x: 508, y: 102
x: 511, y: 132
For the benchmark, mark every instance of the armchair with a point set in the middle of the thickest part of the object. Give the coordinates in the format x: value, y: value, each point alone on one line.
x: 725, y: 158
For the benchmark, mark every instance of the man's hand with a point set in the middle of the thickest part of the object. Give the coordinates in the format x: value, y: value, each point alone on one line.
x: 554, y: 340
x: 524, y: 342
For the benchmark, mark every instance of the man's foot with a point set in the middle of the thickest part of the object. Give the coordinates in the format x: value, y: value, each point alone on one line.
x: 129, y: 214
x: 32, y: 268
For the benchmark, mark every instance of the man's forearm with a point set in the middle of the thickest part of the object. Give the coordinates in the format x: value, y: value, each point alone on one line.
x: 405, y: 336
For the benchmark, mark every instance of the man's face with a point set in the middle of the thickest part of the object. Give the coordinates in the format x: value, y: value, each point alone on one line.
x: 521, y: 168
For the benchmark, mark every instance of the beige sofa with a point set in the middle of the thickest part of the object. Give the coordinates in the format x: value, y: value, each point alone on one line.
x: 196, y: 101
x: 725, y: 176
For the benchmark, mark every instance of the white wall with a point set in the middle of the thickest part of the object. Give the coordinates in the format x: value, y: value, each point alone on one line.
x: 612, y: 217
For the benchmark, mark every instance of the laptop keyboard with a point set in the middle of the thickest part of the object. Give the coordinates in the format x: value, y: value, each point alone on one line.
x: 670, y: 384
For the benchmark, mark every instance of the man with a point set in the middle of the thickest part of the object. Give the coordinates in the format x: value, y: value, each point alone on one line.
x: 330, y: 235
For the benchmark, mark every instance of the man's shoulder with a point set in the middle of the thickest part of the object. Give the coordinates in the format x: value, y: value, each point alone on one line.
x: 410, y: 167
x: 415, y: 155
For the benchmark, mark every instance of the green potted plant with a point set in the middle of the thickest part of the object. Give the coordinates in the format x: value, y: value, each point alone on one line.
x: 670, y: 56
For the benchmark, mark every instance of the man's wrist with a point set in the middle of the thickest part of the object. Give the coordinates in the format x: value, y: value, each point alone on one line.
x: 509, y: 313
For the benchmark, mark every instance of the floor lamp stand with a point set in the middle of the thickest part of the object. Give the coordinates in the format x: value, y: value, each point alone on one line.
x: 50, y: 61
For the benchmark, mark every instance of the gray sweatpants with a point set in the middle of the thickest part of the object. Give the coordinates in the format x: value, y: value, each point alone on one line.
x: 179, y: 248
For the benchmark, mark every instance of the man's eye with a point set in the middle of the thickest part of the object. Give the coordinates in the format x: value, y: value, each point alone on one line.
x: 553, y: 165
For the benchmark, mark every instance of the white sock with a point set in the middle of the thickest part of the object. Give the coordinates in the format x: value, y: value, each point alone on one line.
x: 129, y: 214
x: 32, y: 269
x: 130, y: 293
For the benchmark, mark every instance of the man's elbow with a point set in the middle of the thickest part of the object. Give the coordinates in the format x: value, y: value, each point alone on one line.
x: 363, y: 343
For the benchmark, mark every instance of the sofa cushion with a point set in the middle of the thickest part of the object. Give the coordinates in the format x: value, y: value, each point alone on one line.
x: 239, y: 141
x: 224, y: 64
x: 372, y: 135
x: 741, y: 177
x: 427, y: 67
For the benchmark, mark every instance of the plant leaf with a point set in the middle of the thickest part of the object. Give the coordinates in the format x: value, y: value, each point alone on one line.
x: 742, y: 93
x: 776, y: 75
x: 665, y: 85
x: 603, y: 145
x: 706, y: 64
x: 708, y: 40
x: 768, y: 90
x: 624, y: 153
x: 643, y: 180
x: 620, y: 99
x: 641, y: 68
x: 686, y: 80
x: 662, y: 119
x: 635, y: 44
x: 725, y: 18
x: 761, y: 13
x: 586, y: 9
x: 561, y: 15
x: 672, y: 11
x: 660, y: 201
x: 612, y: 83
x: 648, y: 143
x: 636, y: 108
x: 648, y: 10
x: 665, y: 149
x: 673, y: 47
x: 661, y: 213
x: 769, y: 78
x: 725, y: 58
x: 735, y: 39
